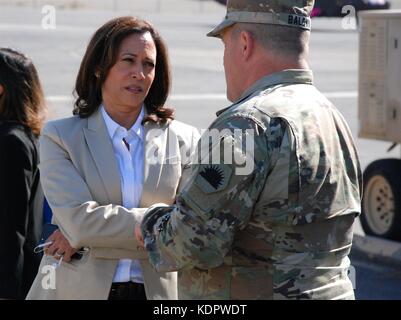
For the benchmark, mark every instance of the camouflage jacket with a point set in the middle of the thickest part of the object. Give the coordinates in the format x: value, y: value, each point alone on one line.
x: 276, y: 223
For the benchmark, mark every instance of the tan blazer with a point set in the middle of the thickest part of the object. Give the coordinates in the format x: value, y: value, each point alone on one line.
x: 81, y: 181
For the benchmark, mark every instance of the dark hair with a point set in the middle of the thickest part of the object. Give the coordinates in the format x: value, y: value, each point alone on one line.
x: 100, y: 57
x: 22, y: 100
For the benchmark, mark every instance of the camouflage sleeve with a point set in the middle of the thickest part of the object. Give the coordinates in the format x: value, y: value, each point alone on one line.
x: 217, y: 200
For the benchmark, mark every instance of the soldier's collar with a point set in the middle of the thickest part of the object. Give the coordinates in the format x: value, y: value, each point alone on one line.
x: 286, y: 76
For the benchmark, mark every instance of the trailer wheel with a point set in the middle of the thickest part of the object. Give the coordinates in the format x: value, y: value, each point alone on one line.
x: 381, y: 202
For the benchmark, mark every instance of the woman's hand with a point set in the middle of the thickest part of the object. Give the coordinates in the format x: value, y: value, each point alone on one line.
x: 60, y: 247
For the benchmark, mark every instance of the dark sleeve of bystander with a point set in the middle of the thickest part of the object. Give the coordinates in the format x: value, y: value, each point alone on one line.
x: 21, y: 207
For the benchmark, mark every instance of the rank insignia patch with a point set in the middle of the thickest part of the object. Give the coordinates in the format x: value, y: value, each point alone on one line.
x: 213, y: 178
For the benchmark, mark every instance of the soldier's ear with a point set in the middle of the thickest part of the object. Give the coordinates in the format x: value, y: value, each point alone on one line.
x: 1, y: 90
x: 247, y: 43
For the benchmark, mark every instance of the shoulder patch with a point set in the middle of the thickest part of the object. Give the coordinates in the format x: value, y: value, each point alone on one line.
x: 213, y: 178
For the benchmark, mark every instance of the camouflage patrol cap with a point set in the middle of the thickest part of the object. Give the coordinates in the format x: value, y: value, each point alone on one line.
x: 291, y: 13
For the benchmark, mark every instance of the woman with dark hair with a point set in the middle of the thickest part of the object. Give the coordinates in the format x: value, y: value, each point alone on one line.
x: 121, y: 151
x: 22, y: 112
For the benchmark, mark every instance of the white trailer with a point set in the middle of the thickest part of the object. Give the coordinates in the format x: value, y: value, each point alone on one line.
x: 379, y: 107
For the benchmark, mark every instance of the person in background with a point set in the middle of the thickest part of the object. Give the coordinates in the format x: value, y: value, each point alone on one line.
x: 22, y: 113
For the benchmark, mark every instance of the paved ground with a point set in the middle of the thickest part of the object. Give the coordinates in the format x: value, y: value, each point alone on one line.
x: 375, y: 281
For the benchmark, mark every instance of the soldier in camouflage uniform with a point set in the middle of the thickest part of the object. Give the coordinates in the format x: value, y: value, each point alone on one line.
x: 284, y: 229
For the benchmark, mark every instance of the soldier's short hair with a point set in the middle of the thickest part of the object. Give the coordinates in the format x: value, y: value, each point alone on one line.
x: 282, y: 40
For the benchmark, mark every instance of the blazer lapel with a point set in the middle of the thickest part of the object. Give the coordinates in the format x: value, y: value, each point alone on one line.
x: 155, y: 142
x: 102, y: 151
